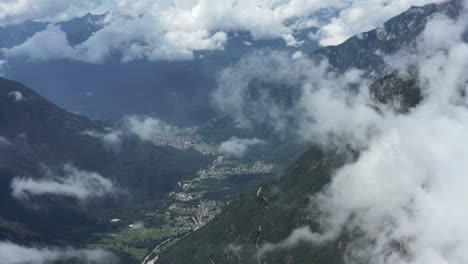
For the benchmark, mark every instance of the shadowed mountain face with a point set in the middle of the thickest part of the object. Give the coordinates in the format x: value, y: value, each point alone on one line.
x: 37, y: 136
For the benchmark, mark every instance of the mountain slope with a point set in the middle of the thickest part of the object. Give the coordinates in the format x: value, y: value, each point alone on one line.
x: 367, y: 50
x: 39, y: 137
x: 267, y: 214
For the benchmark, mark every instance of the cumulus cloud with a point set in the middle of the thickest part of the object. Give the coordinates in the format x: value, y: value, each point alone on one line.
x: 412, y: 169
x: 47, y: 44
x: 16, y: 95
x: 146, y: 128
x: 11, y: 253
x: 237, y: 147
x: 267, y: 19
x: 173, y: 30
x: 75, y: 183
x: 134, y: 38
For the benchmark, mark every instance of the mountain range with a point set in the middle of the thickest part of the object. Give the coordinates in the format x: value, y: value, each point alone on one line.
x: 40, y: 138
x: 50, y: 158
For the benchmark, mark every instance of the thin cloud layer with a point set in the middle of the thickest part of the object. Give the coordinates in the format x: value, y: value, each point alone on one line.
x: 11, y: 253
x: 173, y: 30
x: 75, y: 183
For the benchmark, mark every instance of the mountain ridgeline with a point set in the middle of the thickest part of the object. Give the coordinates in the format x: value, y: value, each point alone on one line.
x: 367, y: 50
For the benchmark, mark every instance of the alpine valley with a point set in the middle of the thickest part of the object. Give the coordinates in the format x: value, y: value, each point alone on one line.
x: 259, y: 148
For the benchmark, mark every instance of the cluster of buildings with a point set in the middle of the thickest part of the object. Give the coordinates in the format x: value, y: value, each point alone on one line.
x: 227, y: 168
x: 185, y: 140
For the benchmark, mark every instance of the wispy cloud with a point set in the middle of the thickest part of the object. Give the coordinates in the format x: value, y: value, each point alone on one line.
x: 11, y: 253
x: 112, y: 138
x: 75, y: 183
x: 145, y: 128
x: 16, y: 96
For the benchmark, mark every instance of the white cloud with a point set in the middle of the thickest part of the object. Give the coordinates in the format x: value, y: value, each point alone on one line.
x: 74, y: 183
x: 136, y: 38
x: 16, y: 95
x: 15, y: 254
x: 237, y: 147
x: 146, y: 128
x: 51, y: 43
x: 143, y: 127
x: 361, y: 16
x: 174, y: 29
x: 403, y: 199
x: 297, y: 55
x: 296, y: 97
